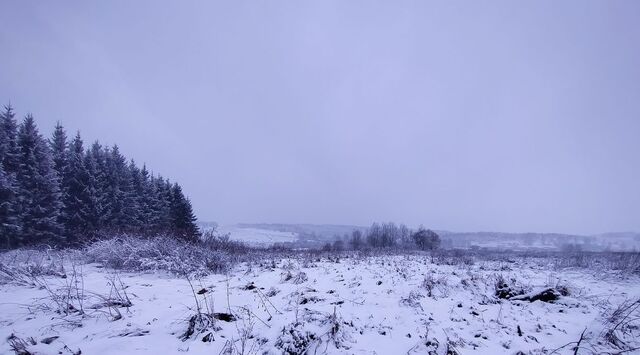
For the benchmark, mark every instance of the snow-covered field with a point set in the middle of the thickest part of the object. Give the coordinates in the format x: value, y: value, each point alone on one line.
x: 256, y: 236
x: 353, y: 305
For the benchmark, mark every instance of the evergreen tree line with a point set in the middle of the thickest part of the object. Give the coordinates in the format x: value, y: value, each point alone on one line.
x: 57, y: 191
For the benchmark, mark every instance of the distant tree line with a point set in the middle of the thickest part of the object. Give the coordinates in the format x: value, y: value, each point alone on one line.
x: 59, y: 192
x: 387, y: 235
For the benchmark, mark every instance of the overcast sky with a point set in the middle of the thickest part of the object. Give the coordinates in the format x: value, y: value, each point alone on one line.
x: 476, y: 115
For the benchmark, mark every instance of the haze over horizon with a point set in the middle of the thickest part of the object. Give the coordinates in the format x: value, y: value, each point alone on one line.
x: 468, y: 117
x: 243, y: 224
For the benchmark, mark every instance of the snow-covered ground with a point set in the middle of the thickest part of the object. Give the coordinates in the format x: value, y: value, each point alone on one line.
x: 256, y: 236
x: 363, y: 305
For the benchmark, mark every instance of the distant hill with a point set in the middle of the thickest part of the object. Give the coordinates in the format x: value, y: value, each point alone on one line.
x: 542, y: 241
x: 323, y: 231
x: 317, y: 234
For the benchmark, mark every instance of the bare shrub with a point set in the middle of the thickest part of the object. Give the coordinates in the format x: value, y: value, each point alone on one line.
x: 20, y: 266
x: 69, y: 299
x: 245, y: 342
x: 272, y: 291
x: 19, y: 345
x: 412, y: 299
x: 453, y: 257
x: 204, y: 320
x: 337, y: 333
x: 295, y: 278
x: 17, y: 275
x: 623, y: 323
x: 66, y: 299
x: 430, y: 283
x: 222, y: 242
x: 299, y: 277
x: 200, y: 323
x: 117, y: 298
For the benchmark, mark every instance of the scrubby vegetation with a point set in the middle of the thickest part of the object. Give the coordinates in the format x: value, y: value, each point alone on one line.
x: 230, y: 298
x: 157, y: 253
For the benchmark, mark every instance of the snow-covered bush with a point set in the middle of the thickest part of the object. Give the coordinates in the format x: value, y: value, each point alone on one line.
x: 272, y: 292
x: 506, y: 289
x: 211, y: 239
x: 431, y: 283
x: 200, y: 323
x: 295, y: 278
x: 338, y: 334
x: 22, y: 265
x: 293, y: 340
x: 160, y: 253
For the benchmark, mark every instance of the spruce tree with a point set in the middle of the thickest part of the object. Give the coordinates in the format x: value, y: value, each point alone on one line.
x: 59, y: 153
x: 38, y: 187
x: 9, y: 141
x: 119, y: 205
x: 9, y: 222
x: 9, y: 207
x: 160, y: 207
x: 183, y: 221
x: 138, y: 202
x: 59, y: 150
x: 147, y: 198
x: 97, y: 169
x: 76, y: 200
x: 93, y: 207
